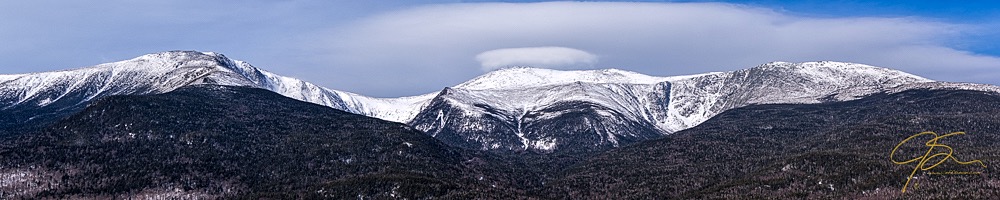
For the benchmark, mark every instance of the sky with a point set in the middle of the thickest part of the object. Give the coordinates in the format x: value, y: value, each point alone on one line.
x: 401, y: 48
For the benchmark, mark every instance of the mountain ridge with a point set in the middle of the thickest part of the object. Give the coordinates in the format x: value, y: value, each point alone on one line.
x: 60, y: 93
x: 225, y: 142
x: 606, y: 99
x: 489, y: 112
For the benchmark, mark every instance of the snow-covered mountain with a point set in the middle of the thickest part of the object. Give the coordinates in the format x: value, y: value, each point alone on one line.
x: 523, y: 108
x: 515, y: 109
x: 46, y: 95
x: 696, y: 99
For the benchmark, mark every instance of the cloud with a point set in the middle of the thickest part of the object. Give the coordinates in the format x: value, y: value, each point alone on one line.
x: 395, y: 48
x: 543, y: 57
x: 653, y: 38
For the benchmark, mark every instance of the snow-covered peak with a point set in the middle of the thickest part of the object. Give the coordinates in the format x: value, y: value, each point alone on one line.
x: 153, y: 73
x: 525, y: 77
x: 166, y: 71
x: 5, y: 78
x: 822, y: 71
x: 668, y: 104
x: 692, y: 98
x: 836, y: 71
x: 144, y: 62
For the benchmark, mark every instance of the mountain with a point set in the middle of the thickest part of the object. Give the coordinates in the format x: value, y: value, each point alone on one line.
x: 508, y: 110
x: 832, y: 150
x: 527, y: 109
x: 182, y: 125
x: 209, y: 141
x: 40, y: 98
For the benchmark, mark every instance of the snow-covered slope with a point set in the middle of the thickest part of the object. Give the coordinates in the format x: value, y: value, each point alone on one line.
x: 522, y: 77
x: 510, y: 109
x: 692, y: 99
x: 489, y: 111
x: 510, y: 118
x: 697, y: 99
x: 166, y: 71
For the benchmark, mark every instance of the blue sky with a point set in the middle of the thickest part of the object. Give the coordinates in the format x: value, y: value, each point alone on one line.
x: 398, y: 48
x: 970, y: 12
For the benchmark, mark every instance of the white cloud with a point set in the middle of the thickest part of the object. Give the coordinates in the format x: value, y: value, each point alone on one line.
x: 543, y: 57
x: 653, y: 38
x: 394, y: 48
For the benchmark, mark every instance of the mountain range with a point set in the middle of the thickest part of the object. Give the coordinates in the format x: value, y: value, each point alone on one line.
x: 41, y: 97
x: 185, y: 124
x: 508, y: 110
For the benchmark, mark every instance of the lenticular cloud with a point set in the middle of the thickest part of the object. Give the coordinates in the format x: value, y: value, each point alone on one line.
x: 543, y: 57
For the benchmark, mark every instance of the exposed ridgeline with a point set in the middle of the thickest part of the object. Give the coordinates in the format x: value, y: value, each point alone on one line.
x: 33, y: 100
x: 542, y: 110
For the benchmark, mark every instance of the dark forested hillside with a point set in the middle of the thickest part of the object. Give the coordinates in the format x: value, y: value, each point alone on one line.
x: 235, y: 142
x: 830, y: 150
x: 244, y: 143
x: 25, y: 118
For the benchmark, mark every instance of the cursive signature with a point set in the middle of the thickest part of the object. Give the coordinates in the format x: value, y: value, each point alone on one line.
x: 932, y: 143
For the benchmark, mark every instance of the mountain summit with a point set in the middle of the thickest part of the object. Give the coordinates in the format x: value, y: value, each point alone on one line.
x: 524, y: 77
x: 37, y: 98
x: 546, y: 110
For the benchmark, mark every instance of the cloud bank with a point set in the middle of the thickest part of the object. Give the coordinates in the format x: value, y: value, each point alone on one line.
x: 543, y: 57
x: 394, y: 48
x: 651, y: 38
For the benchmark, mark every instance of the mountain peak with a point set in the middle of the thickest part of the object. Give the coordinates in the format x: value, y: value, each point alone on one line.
x: 523, y: 77
x: 175, y: 56
x: 812, y: 64
x: 513, y: 98
x: 145, y: 74
x: 837, y: 71
x: 165, y: 71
